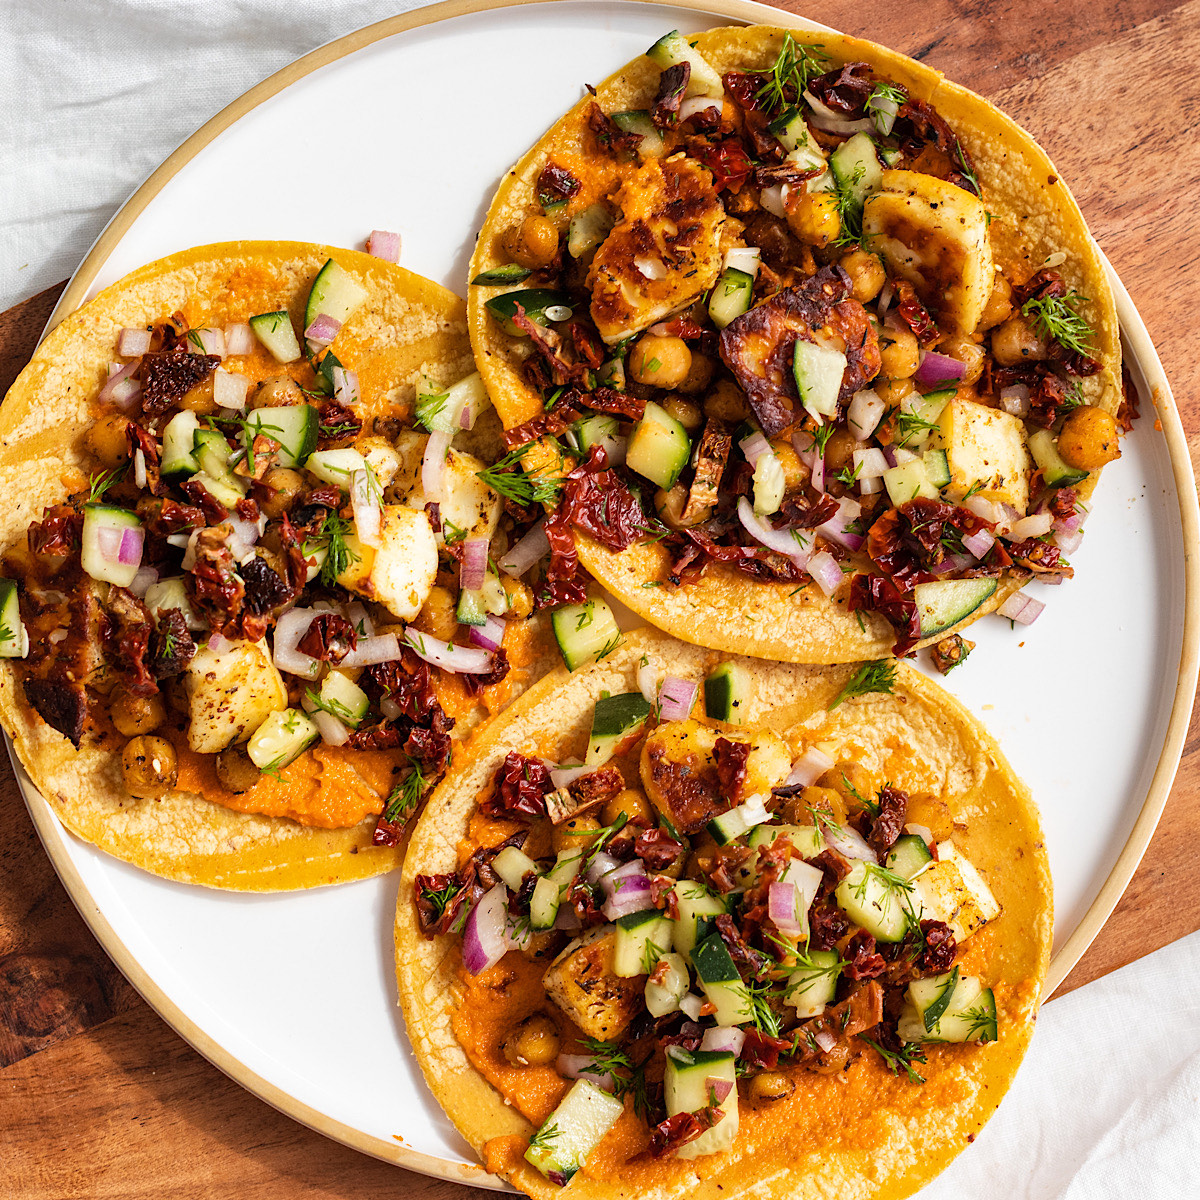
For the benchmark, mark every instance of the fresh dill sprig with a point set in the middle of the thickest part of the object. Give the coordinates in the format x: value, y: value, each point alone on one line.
x: 429, y: 408
x: 403, y: 799
x: 878, y: 676
x: 338, y: 556
x: 545, y: 1137
x: 910, y: 425
x: 607, y: 1058
x: 758, y: 1007
x: 439, y: 898
x: 887, y: 91
x: 588, y: 614
x: 650, y: 956
x: 508, y: 479
x: 1056, y: 317
x: 822, y: 434
x: 900, y: 1060
x: 335, y: 708
x: 99, y: 484
x: 794, y: 66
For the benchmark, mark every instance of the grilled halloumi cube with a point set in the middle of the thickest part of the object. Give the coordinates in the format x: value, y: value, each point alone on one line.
x: 382, y: 457
x: 986, y: 453
x: 230, y: 695
x: 400, y: 572
x: 664, y: 252
x: 468, y: 508
x: 581, y: 981
x: 934, y: 234
x: 952, y: 890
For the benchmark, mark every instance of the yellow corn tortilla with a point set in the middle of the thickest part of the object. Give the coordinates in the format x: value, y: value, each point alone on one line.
x: 1035, y: 216
x: 884, y: 1137
x: 407, y: 325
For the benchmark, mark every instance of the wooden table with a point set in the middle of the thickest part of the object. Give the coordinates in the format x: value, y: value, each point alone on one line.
x: 99, y: 1098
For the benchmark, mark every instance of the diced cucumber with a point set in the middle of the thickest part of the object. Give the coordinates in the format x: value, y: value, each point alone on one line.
x: 908, y: 856
x: 673, y: 48
x: 294, y: 427
x: 512, y: 865
x: 588, y: 229
x: 726, y: 691
x: 471, y: 610
x: 812, y: 986
x: 807, y: 839
x: 212, y: 452
x: 937, y: 468
x: 791, y: 129
x: 507, y: 273
x: 348, y: 701
x: 226, y: 489
x: 889, y: 155
x: 535, y: 302
x: 282, y: 737
x: 664, y: 997
x: 878, y: 902
x: 335, y: 293
x: 172, y: 593
x: 335, y: 466
x: 1043, y: 445
x: 572, y: 1131
x: 818, y: 371
x: 14, y: 640
x: 658, y: 447
x: 731, y: 296
x: 615, y: 718
x: 857, y: 169
x: 178, y: 445
x: 468, y: 399
x: 598, y: 430
x: 274, y: 330
x: 698, y: 909
x: 110, y: 534
x: 688, y: 1086
x: 585, y: 632
x: 769, y: 484
x: 949, y: 1008
x: 638, y: 121
x: 944, y: 602
x: 907, y: 481
x: 324, y: 372
x: 637, y: 933
x: 721, y: 982
x: 543, y: 904
x: 733, y: 824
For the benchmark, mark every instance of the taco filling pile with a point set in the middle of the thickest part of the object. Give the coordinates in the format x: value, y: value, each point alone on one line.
x: 765, y: 316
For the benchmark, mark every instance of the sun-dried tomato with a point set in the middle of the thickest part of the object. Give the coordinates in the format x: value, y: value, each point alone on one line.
x: 609, y: 135
x: 213, y: 584
x: 917, y: 123
x: 596, y: 787
x: 657, y: 849
x: 761, y: 1049
x: 129, y: 641
x: 141, y: 440
x: 214, y: 511
x: 168, y: 377
x: 863, y: 961
x: 1130, y: 408
x: 672, y: 84
x: 172, y: 644
x: 889, y: 821
x: 475, y: 684
x: 877, y: 593
x: 58, y: 533
x: 915, y: 314
x: 556, y: 184
x: 329, y: 637
x: 265, y: 590
x: 845, y: 89
x: 406, y: 681
x: 731, y: 758
x: 428, y: 744
x: 749, y: 962
x: 675, y: 1132
x: 338, y: 423
x: 798, y: 512
x: 729, y: 164
x: 940, y: 947
x: 599, y: 502
x: 608, y: 400
x: 521, y: 785
x: 827, y: 924
x: 161, y: 516
x: 438, y: 900
x: 688, y: 1037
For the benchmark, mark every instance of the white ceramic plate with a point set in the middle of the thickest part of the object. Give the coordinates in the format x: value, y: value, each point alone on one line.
x: 293, y: 995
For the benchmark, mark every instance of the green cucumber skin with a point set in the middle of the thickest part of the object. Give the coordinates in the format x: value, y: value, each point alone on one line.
x: 534, y: 301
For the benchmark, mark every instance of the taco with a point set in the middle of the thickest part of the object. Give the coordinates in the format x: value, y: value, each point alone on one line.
x: 235, y: 564
x: 828, y: 333
x: 799, y: 954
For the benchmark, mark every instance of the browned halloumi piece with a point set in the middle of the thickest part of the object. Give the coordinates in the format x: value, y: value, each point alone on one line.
x: 581, y: 981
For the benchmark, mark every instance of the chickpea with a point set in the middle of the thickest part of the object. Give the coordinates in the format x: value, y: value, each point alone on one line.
x: 1088, y: 439
x: 670, y: 505
x: 633, y: 804
x: 892, y: 391
x: 727, y: 402
x: 1016, y: 341
x: 867, y: 275
x: 288, y: 485
x: 813, y: 217
x: 235, y: 770
x: 279, y: 392
x: 662, y: 362
x: 132, y: 715
x: 699, y: 376
x: 839, y: 450
x: 533, y: 243
x: 438, y: 616
x: 968, y: 352
x: 533, y: 1043
x: 200, y: 399
x: 150, y: 766
x: 686, y: 412
x: 898, y: 353
x: 105, y: 440
x: 849, y: 781
x: 574, y: 833
x: 520, y: 596
x: 794, y: 471
x: 998, y: 307
x: 770, y: 1086
x: 543, y: 944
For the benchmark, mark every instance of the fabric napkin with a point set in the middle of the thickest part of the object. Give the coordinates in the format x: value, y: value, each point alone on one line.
x: 97, y: 94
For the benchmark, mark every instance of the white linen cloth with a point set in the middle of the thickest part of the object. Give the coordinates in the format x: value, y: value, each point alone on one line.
x: 1107, y: 1103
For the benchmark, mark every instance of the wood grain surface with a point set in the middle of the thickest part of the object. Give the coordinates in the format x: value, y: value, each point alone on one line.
x: 99, y: 1098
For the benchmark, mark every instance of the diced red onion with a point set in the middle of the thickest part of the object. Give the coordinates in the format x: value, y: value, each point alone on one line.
x: 489, y: 635
x: 926, y: 835
x: 517, y: 933
x: 647, y: 681
x: 120, y: 389
x: 600, y: 866
x: 143, y: 581
x: 939, y: 368
x: 229, y: 389
x: 616, y: 879
x: 218, y: 643
x: 323, y: 329
x: 849, y: 843
x: 332, y: 730
x: 809, y: 767
x: 697, y: 104
x: 780, y: 540
x: 561, y: 777
x: 979, y: 543
x: 357, y: 615
x: 289, y: 629
x: 139, y: 468
x: 383, y: 647
x: 835, y: 529
x: 771, y: 198
x: 468, y: 660
x: 988, y: 510
x: 567, y: 919
x: 889, y: 453
x: 783, y: 901
x: 724, y: 1039
x: 952, y: 564
x: 188, y: 546
x: 389, y: 707
x: 368, y: 513
x: 864, y: 413
x: 830, y: 122
x: 870, y: 463
x: 1015, y: 400
x: 212, y: 341
x: 815, y: 463
x: 345, y: 386
x: 883, y: 110
x: 466, y: 419
x: 385, y: 245
x: 754, y: 446
x: 691, y: 1005
x: 533, y: 547
x: 1068, y: 540
x: 1051, y: 580
x: 826, y: 571
x: 474, y: 564
x: 868, y: 487
x: 582, y: 1066
x: 484, y: 940
x: 1034, y: 526
x: 122, y: 546
x: 632, y: 897
x: 807, y: 879
x: 133, y: 343
x: 239, y: 339
x: 242, y: 536
x: 433, y: 467
x: 744, y: 258
x: 826, y: 1039
x: 676, y: 698
x: 1022, y: 609
x: 885, y: 299
x: 718, y: 1087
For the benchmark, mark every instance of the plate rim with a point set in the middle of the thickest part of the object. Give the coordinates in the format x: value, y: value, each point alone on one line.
x: 54, y: 836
